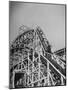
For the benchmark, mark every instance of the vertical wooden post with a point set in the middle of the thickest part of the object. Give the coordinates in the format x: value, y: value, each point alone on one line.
x: 39, y: 69
x: 62, y: 82
x: 48, y: 74
x: 13, y: 79
x: 33, y: 69
x: 28, y: 69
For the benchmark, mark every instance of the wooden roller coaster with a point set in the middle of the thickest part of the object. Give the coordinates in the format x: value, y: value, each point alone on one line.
x: 32, y: 64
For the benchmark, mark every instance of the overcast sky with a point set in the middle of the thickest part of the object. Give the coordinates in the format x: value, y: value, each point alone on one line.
x: 51, y: 18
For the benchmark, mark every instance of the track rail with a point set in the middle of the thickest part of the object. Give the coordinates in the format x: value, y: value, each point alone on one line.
x: 52, y: 62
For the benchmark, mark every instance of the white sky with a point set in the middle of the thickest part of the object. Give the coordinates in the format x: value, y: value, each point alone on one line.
x: 51, y: 18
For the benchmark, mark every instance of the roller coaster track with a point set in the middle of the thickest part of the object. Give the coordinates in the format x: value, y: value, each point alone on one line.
x: 52, y: 62
x: 47, y: 66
